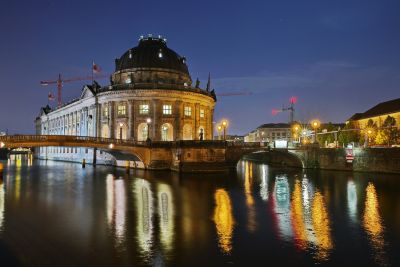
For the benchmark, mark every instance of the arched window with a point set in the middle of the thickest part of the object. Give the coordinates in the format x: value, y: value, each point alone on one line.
x: 167, y: 132
x: 142, y: 132
x: 121, y: 131
x: 187, y: 132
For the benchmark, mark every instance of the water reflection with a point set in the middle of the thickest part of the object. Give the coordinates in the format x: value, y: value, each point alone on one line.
x: 321, y: 225
x: 352, y: 200
x: 144, y: 224
x: 297, y: 216
x: 373, y: 223
x: 248, y: 184
x: 116, y: 207
x: 224, y: 220
x: 282, y: 206
x: 166, y: 214
x: 264, y: 182
x: 2, y: 200
x: 90, y: 217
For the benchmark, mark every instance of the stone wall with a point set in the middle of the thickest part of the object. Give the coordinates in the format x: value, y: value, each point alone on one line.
x: 385, y: 160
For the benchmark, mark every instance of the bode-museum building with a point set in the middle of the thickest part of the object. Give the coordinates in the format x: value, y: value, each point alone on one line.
x: 150, y: 97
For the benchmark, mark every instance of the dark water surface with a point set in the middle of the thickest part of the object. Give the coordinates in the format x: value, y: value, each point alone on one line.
x: 58, y: 214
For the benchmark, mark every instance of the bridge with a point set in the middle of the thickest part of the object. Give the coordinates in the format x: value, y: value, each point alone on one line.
x: 185, y: 156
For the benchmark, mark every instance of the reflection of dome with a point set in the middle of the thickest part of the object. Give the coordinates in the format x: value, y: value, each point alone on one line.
x: 151, y: 53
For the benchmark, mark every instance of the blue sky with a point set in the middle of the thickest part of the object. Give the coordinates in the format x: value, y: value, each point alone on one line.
x: 337, y: 57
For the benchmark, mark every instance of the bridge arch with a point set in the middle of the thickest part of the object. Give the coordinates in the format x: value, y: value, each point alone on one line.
x: 277, y: 157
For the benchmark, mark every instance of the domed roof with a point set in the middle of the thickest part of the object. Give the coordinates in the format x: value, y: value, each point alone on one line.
x: 151, y: 52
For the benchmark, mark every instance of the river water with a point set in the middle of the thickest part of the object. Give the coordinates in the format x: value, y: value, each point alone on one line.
x: 59, y: 214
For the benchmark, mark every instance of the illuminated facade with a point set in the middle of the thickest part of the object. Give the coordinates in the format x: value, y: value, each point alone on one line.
x: 378, y: 114
x: 270, y: 132
x: 150, y: 96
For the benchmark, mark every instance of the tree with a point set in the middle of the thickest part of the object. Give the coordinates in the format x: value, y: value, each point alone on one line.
x: 369, y: 133
x: 349, y: 134
x: 329, y: 137
x: 390, y: 131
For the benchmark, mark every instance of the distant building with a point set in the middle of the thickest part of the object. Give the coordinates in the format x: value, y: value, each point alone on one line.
x: 378, y: 114
x: 269, y: 132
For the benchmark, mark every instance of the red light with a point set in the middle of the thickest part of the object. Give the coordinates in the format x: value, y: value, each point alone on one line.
x: 293, y: 100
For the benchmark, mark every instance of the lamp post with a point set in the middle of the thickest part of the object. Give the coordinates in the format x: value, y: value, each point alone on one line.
x: 315, y: 125
x: 120, y: 130
x: 369, y: 133
x: 296, y: 129
x: 219, y: 129
x: 148, y: 121
x: 224, y: 124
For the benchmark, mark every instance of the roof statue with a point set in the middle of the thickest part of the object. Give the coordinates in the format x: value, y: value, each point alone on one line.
x: 208, y: 83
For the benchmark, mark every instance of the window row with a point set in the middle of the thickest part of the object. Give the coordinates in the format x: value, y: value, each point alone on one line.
x: 145, y: 109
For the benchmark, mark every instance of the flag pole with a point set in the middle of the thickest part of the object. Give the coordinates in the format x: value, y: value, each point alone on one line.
x: 92, y: 72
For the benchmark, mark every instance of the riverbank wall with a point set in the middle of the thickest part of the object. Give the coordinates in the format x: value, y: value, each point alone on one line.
x: 380, y: 160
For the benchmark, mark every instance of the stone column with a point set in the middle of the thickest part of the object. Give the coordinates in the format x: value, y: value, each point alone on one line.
x: 210, y: 128
x: 111, y: 120
x: 155, y: 133
x: 196, y: 121
x: 85, y: 118
x: 178, y: 133
x: 98, y: 120
x: 131, y: 120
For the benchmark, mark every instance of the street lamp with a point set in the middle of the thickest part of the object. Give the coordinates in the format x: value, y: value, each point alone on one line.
x: 148, y: 121
x: 2, y: 145
x: 368, y: 137
x: 296, y: 130
x: 120, y: 130
x: 111, y: 146
x: 315, y: 125
x: 224, y: 124
x: 219, y: 129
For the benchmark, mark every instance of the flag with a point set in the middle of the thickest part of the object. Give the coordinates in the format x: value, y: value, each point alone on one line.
x: 50, y: 96
x: 95, y: 68
x: 275, y: 112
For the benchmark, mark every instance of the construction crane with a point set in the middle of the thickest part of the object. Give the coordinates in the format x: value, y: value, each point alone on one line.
x: 290, y: 109
x: 60, y: 81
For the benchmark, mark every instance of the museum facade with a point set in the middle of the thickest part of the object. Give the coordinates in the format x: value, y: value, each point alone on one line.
x: 150, y: 97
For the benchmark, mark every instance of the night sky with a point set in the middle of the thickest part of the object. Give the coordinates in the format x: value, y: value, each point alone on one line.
x: 337, y: 57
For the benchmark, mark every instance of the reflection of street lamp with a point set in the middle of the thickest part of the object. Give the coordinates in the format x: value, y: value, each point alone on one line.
x: 148, y: 121
x: 224, y: 124
x: 219, y: 129
x: 315, y: 125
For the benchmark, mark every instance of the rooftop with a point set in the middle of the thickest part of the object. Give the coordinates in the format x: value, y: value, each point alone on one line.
x: 151, y: 52
x: 383, y: 108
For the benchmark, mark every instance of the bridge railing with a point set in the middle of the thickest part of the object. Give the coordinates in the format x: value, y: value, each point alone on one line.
x: 127, y: 142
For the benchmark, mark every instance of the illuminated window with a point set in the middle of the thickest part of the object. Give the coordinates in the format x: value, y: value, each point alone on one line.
x: 144, y: 109
x: 188, y: 111
x: 202, y: 113
x: 160, y: 55
x: 105, y: 111
x: 121, y: 110
x: 167, y: 109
